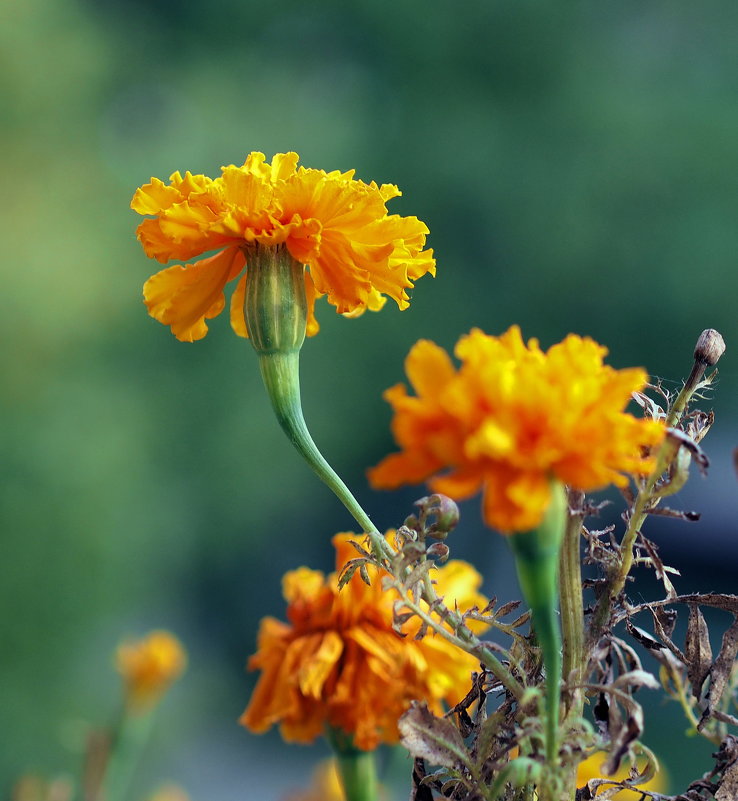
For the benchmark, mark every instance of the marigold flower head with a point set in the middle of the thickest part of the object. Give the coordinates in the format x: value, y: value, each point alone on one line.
x: 338, y: 661
x: 513, y: 418
x: 149, y: 666
x: 354, y: 251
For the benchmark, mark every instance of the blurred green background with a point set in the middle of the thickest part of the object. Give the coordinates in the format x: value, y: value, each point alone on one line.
x: 576, y: 164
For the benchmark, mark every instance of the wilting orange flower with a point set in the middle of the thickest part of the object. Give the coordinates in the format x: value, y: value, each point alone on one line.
x: 338, y: 661
x: 355, y: 253
x: 511, y: 419
x: 149, y: 666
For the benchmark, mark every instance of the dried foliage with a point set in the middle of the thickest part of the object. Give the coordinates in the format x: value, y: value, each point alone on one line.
x: 490, y: 746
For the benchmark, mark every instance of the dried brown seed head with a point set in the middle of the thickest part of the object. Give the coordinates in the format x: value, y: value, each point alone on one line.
x: 710, y: 347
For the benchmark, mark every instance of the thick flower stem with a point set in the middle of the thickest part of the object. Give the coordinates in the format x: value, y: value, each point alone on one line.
x: 536, y: 558
x: 357, y: 768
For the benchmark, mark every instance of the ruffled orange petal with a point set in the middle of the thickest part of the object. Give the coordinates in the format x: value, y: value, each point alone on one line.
x: 314, y: 671
x: 374, y: 302
x: 515, y: 502
x: 153, y: 197
x: 429, y: 368
x: 184, y: 297
x: 460, y: 484
x: 261, y: 712
x: 401, y: 468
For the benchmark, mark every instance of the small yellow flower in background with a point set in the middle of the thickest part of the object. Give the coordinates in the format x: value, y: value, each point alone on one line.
x: 36, y: 788
x: 592, y: 767
x: 354, y: 251
x: 338, y: 661
x: 149, y: 666
x: 169, y: 792
x: 511, y: 419
x: 325, y: 786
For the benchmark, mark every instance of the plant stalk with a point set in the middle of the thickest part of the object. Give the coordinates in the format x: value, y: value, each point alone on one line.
x: 536, y: 559
x: 572, y: 619
x: 130, y: 740
x: 357, y: 768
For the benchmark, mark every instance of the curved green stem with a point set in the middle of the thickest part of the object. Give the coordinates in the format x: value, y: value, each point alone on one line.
x: 281, y: 376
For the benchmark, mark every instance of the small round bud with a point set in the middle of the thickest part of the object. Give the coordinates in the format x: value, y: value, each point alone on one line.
x: 446, y: 513
x: 412, y: 522
x: 439, y: 551
x: 710, y: 347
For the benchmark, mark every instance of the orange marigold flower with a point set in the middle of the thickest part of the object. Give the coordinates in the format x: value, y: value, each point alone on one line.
x: 511, y: 419
x: 338, y: 661
x: 354, y: 251
x: 149, y: 666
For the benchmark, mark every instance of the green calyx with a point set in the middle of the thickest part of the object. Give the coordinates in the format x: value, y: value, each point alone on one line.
x: 536, y: 559
x: 275, y: 307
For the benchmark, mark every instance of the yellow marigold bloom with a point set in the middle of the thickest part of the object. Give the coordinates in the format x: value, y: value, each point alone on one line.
x: 592, y: 768
x: 511, y: 419
x: 354, y: 251
x: 338, y: 661
x: 149, y: 666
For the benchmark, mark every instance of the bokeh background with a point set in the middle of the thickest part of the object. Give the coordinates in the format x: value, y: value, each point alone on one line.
x: 576, y: 163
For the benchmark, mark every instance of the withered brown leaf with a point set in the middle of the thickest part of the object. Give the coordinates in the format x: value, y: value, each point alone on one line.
x: 721, y: 669
x: 728, y: 790
x: 697, y: 650
x: 435, y: 739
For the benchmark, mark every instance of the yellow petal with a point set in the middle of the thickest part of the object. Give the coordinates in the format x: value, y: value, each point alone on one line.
x: 183, y: 297
x: 238, y: 298
x: 315, y: 670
